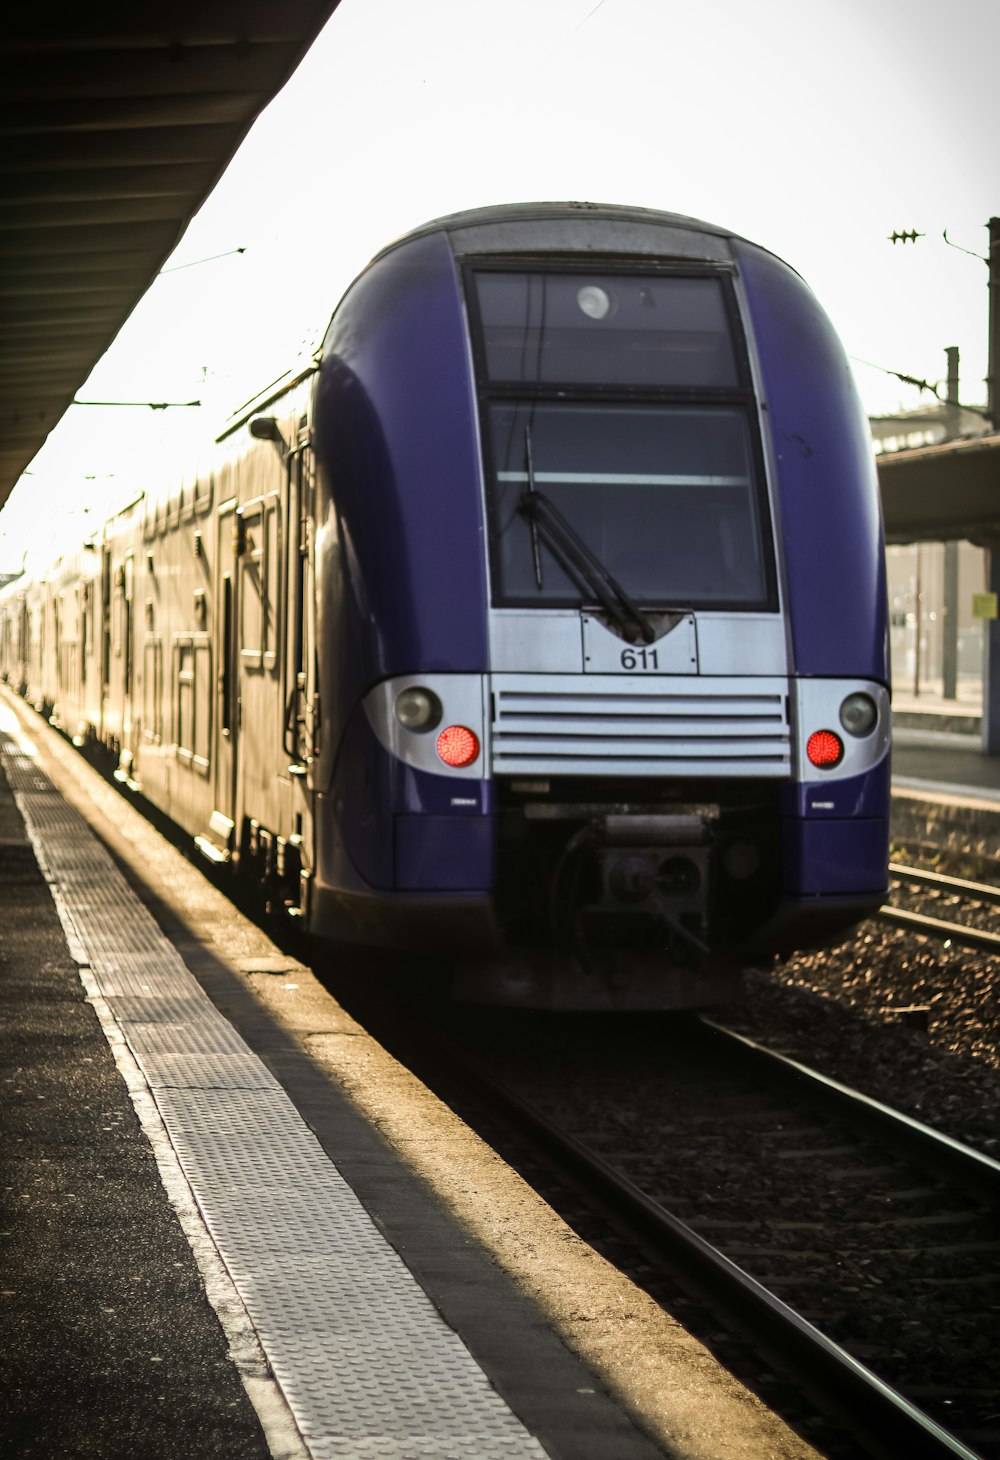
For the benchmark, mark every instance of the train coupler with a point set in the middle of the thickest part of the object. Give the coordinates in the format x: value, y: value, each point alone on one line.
x: 652, y: 880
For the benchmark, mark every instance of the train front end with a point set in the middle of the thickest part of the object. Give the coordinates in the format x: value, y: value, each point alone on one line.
x: 604, y: 609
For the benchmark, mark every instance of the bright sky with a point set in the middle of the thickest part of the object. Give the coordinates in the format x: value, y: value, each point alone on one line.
x: 813, y: 127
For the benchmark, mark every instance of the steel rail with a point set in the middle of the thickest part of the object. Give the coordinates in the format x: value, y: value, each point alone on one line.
x: 951, y: 1161
x: 975, y: 891
x: 939, y: 928
x: 868, y: 1406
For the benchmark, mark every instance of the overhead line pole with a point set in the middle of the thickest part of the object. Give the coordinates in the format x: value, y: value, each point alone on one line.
x: 993, y: 366
x: 949, y: 627
x: 991, y: 665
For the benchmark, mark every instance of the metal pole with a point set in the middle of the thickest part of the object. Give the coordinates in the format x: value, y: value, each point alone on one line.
x: 949, y: 604
x: 991, y: 664
x: 920, y: 624
x: 952, y: 411
x: 993, y: 366
x: 949, y: 629
x: 991, y: 628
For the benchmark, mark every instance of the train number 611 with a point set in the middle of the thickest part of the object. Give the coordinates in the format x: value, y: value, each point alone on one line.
x: 639, y: 659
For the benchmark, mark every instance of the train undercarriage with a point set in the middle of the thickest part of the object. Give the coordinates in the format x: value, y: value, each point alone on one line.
x: 638, y: 899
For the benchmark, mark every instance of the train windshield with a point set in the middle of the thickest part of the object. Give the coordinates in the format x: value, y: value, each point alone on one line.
x: 605, y: 330
x: 623, y: 403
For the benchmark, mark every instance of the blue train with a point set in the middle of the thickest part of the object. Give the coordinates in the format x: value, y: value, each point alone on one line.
x: 541, y: 620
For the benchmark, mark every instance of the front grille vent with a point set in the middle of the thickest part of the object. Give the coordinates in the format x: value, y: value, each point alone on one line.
x: 607, y: 725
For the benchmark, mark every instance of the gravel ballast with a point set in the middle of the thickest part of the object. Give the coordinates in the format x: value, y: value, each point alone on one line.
x: 908, y: 1019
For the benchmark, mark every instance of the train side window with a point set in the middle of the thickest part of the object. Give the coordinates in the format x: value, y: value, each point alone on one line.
x: 118, y: 612
x: 152, y: 691
x: 185, y: 701
x: 85, y: 629
x: 105, y: 619
x: 127, y: 637
x: 252, y: 594
x: 260, y: 582
x: 272, y: 580
x: 226, y: 718
x: 203, y: 491
x: 191, y: 699
x: 58, y: 641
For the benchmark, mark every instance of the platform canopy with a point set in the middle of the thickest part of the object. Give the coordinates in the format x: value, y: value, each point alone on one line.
x: 942, y: 493
x: 117, y: 120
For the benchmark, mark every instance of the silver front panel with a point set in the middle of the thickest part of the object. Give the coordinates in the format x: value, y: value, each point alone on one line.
x: 674, y: 652
x: 732, y: 643
x: 554, y: 641
x: 648, y: 725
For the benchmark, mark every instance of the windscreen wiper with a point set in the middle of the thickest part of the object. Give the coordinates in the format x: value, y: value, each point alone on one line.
x: 578, y: 560
x: 535, y: 551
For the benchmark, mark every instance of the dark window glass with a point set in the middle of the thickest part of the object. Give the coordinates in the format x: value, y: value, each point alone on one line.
x: 605, y: 329
x: 663, y: 494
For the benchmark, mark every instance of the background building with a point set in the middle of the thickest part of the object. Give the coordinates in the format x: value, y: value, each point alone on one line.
x: 937, y: 641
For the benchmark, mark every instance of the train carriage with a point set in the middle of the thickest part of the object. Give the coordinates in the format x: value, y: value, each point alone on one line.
x: 543, y: 620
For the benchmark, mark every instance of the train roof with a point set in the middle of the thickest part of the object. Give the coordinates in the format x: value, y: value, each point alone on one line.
x: 544, y: 211
x: 565, y: 223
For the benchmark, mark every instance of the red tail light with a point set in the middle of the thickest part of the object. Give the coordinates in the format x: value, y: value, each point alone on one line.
x: 825, y: 749
x: 457, y: 746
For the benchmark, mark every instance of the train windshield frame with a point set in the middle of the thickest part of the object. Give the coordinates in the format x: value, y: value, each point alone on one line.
x: 619, y: 399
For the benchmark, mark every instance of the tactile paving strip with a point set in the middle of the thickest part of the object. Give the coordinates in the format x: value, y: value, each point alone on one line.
x: 368, y: 1366
x: 179, y: 1025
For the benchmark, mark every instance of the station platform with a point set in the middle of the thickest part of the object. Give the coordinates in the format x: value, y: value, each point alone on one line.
x: 943, y: 784
x: 235, y: 1227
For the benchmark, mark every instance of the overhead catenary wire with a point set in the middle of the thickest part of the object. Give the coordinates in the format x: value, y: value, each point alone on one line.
x: 921, y: 384
x: 575, y: 31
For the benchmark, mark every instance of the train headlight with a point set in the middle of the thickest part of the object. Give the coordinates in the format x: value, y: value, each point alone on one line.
x: 825, y: 749
x: 458, y: 746
x: 594, y: 301
x: 858, y: 714
x: 418, y: 709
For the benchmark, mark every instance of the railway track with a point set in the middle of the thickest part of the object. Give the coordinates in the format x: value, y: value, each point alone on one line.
x: 936, y: 884
x: 843, y: 1301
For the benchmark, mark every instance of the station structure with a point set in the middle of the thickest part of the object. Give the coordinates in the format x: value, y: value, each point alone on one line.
x: 117, y: 121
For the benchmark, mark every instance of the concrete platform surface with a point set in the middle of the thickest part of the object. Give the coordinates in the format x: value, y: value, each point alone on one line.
x: 945, y: 762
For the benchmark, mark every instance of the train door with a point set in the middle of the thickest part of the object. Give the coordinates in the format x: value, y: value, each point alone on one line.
x: 38, y: 660
x: 300, y: 726
x: 261, y: 773
x: 125, y: 646
x: 105, y: 640
x: 83, y: 614
x: 226, y: 687
x: 59, y: 646
x: 23, y: 644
